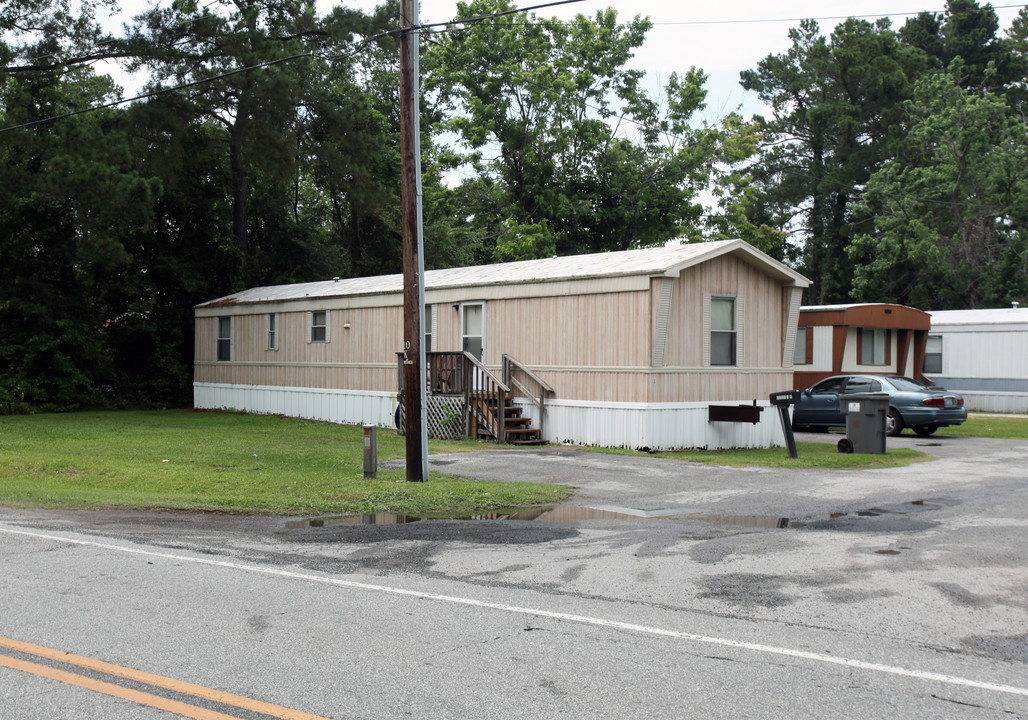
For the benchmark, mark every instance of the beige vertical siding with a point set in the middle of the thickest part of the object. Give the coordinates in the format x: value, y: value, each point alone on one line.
x: 362, y: 356
x: 721, y: 386
x: 726, y: 276
x: 204, y: 339
x: 447, y: 335
x: 606, y: 330
x: 599, y: 385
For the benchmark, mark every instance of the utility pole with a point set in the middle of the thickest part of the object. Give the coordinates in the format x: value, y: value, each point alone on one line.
x: 413, y: 247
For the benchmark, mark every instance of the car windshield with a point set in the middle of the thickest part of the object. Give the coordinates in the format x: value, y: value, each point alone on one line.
x: 905, y: 384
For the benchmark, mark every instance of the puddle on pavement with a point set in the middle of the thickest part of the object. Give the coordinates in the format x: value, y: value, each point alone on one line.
x: 537, y: 514
x: 757, y: 521
x: 559, y: 514
x: 574, y: 513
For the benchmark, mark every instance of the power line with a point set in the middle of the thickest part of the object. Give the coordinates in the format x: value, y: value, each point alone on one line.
x: 481, y: 18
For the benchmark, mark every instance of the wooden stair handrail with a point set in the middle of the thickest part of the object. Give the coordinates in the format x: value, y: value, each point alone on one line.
x: 475, y: 362
x: 494, y: 393
x: 508, y: 361
x: 540, y: 400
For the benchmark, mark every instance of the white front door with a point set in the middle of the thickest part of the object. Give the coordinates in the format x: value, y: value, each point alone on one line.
x: 472, y: 332
x: 472, y: 329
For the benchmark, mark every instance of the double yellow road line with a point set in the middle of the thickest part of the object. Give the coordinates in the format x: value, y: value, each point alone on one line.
x: 142, y: 698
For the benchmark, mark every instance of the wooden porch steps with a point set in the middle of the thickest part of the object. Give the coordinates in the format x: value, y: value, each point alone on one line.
x: 516, y: 427
x: 465, y: 397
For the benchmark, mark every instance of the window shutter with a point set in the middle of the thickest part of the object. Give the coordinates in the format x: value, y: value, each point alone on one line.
x: 706, y: 330
x: 667, y: 286
x: 792, y: 296
x: 740, y: 332
x: 435, y: 328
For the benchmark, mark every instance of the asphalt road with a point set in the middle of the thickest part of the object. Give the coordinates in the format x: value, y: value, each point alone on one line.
x: 662, y: 589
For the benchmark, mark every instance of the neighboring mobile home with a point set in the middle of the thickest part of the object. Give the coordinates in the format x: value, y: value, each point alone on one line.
x: 632, y: 346
x: 860, y: 338
x: 983, y: 355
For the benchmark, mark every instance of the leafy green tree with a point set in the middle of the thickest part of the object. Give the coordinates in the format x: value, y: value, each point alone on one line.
x: 742, y: 210
x: 949, y: 214
x: 253, y: 67
x: 71, y: 204
x: 834, y: 103
x: 1017, y: 92
x: 349, y: 162
x: 525, y: 242
x: 969, y: 32
x: 560, y: 132
x: 48, y: 36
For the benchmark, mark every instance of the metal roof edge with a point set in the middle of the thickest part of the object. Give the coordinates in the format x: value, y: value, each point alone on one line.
x: 435, y: 279
x: 848, y: 306
x: 755, y: 255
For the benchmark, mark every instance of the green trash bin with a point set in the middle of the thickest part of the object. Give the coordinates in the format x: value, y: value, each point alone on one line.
x: 865, y: 422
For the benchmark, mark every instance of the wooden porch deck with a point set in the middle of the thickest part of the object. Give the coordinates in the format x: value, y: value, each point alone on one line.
x: 465, y: 399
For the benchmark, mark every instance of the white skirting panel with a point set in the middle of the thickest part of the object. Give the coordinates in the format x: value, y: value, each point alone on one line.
x: 657, y: 426
x: 351, y: 407
x: 1000, y: 402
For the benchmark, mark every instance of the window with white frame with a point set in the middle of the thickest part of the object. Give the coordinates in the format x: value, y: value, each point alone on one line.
x: 272, y: 331
x: 873, y: 346
x: 319, y: 326
x: 224, y: 339
x: 722, y: 331
x: 933, y: 354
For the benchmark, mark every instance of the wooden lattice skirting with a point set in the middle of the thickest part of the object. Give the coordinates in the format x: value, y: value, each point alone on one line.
x: 446, y: 417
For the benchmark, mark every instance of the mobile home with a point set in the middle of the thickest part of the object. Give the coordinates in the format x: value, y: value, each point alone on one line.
x: 631, y: 348
x: 983, y: 355
x: 876, y: 338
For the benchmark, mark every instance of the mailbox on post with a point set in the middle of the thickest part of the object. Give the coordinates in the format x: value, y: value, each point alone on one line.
x: 782, y: 401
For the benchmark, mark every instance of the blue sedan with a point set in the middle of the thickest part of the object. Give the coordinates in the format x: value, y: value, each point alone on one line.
x: 922, y: 408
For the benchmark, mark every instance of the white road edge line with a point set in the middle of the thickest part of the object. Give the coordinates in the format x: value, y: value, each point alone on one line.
x: 581, y: 619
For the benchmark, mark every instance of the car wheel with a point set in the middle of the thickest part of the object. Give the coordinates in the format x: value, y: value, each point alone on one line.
x: 893, y: 423
x: 925, y: 430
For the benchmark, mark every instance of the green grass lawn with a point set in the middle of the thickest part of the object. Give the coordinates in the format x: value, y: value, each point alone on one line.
x: 228, y: 462
x: 1007, y: 427
x: 811, y: 455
